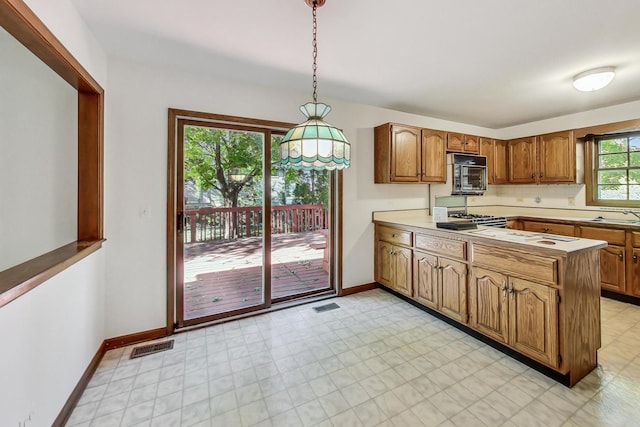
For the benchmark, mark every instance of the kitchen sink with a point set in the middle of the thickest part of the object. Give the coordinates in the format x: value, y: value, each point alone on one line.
x: 616, y: 221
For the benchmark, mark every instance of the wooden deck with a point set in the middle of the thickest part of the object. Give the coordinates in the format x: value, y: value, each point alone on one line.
x: 222, y: 276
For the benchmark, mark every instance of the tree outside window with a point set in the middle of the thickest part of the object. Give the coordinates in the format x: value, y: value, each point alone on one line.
x: 617, y: 167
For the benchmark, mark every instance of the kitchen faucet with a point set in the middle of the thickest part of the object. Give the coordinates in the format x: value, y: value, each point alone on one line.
x: 634, y: 213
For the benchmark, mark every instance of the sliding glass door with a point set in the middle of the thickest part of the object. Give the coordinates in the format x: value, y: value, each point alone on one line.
x: 248, y: 233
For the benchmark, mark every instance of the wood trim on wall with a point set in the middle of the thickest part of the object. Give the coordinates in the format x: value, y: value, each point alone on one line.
x: 627, y: 125
x: 90, y: 166
x: 22, y: 278
x: 135, y: 338
x: 108, y: 344
x: 23, y: 24
x: 225, y: 119
x: 171, y: 221
x: 357, y: 289
x: 76, y: 394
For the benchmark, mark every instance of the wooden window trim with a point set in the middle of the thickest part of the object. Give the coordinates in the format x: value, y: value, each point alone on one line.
x: 23, y: 24
x: 590, y: 158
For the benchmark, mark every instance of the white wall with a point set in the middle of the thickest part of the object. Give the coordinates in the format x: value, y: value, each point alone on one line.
x: 48, y: 339
x: 38, y: 156
x: 136, y: 173
x: 50, y: 334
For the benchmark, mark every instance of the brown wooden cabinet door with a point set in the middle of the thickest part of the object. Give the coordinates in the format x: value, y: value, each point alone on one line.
x: 501, y: 162
x: 453, y: 289
x: 533, y: 320
x: 455, y: 142
x: 471, y: 144
x: 635, y: 271
x: 487, y: 148
x: 612, y: 268
x: 405, y: 153
x: 488, y: 310
x: 425, y: 279
x: 401, y: 259
x: 522, y: 160
x: 434, y: 156
x: 384, y: 264
x: 557, y: 157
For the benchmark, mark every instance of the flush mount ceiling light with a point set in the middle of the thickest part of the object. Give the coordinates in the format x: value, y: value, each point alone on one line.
x: 594, y: 79
x: 315, y: 144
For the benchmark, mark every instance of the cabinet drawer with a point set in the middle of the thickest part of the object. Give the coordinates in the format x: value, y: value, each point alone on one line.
x: 635, y: 239
x: 395, y: 236
x: 614, y: 237
x: 519, y: 263
x: 440, y: 246
x: 547, y: 227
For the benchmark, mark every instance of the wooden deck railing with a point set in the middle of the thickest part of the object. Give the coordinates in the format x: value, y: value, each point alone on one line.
x: 206, y: 224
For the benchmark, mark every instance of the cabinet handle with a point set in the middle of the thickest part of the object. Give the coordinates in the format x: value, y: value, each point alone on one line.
x: 635, y: 258
x: 504, y: 288
x: 393, y: 235
x: 545, y: 229
x: 511, y: 292
x: 620, y: 255
x: 533, y: 176
x: 540, y: 175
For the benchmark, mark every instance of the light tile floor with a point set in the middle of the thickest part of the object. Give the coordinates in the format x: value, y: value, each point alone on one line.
x: 376, y: 361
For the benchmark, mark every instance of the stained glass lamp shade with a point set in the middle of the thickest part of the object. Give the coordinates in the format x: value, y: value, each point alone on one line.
x: 315, y: 144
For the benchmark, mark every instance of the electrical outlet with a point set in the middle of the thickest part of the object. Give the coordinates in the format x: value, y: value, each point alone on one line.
x: 571, y: 201
x: 537, y: 199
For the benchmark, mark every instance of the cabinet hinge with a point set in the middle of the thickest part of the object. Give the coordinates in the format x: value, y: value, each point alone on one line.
x: 466, y: 318
x: 559, y: 360
x: 558, y: 299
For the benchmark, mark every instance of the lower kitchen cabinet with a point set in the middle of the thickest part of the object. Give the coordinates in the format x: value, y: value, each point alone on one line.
x: 612, y: 268
x: 542, y: 303
x: 517, y: 312
x: 533, y: 320
x: 488, y: 307
x: 547, y: 227
x: 441, y: 283
x: 635, y: 271
x: 394, y: 267
x: 612, y: 257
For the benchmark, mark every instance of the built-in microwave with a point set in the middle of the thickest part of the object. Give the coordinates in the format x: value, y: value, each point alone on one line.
x: 469, y: 174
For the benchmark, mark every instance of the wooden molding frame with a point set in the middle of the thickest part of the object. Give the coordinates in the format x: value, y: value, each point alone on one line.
x: 23, y: 24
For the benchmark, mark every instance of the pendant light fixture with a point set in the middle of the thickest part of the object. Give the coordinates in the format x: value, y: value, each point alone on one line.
x: 315, y: 144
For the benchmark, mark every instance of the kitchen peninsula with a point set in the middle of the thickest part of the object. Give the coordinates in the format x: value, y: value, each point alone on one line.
x: 530, y: 293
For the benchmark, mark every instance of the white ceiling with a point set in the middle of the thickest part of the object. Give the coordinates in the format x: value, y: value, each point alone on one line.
x: 493, y: 63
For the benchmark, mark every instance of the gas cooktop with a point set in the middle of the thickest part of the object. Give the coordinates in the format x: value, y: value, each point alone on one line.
x: 490, y: 220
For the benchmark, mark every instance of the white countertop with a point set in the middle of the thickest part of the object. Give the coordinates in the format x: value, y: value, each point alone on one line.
x: 421, y: 219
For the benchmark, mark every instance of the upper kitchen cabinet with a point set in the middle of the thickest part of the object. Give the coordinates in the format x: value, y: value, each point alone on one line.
x: 434, y: 156
x: 407, y: 154
x: 496, y: 152
x: 522, y: 161
x: 459, y: 143
x: 557, y: 156
x: 549, y: 158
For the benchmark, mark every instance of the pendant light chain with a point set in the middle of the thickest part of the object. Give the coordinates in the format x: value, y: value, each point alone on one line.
x: 315, y: 54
